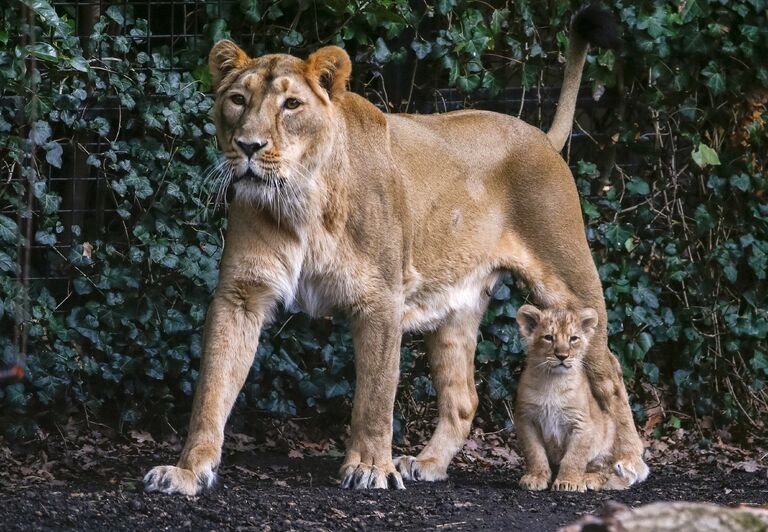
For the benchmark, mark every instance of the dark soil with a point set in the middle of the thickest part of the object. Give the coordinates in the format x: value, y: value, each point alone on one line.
x: 273, y: 492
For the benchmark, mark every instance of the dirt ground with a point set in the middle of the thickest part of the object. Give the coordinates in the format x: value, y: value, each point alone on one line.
x: 269, y: 491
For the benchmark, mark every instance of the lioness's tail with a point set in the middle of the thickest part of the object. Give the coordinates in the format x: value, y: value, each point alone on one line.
x: 591, y: 25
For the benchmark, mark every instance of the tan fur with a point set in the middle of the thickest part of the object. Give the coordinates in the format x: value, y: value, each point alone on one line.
x: 402, y: 221
x: 559, y: 424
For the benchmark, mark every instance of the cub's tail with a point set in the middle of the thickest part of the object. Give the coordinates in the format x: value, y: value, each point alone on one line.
x: 591, y: 25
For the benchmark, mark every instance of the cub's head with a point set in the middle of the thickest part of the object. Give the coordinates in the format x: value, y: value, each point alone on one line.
x: 557, y: 338
x: 275, y: 117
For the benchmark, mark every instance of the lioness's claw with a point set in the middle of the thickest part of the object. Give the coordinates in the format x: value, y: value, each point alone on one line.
x: 362, y: 476
x: 412, y: 468
x: 171, y: 479
x: 569, y: 485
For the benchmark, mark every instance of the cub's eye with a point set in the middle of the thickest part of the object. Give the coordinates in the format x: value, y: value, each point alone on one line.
x: 291, y: 103
x: 237, y: 99
x: 548, y: 337
x: 574, y: 338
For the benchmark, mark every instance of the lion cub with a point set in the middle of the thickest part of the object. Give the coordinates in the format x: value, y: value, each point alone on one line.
x: 559, y: 423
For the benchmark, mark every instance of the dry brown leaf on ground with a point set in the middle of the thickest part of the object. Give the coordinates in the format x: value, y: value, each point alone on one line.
x: 141, y: 437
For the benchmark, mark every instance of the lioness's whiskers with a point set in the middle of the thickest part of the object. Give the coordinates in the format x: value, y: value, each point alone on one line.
x: 208, y: 184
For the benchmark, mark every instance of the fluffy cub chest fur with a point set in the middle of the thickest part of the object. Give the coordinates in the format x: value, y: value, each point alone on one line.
x: 557, y: 407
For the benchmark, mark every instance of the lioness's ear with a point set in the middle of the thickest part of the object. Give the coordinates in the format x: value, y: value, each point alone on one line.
x: 528, y: 318
x: 588, y: 318
x: 224, y: 58
x: 330, y: 68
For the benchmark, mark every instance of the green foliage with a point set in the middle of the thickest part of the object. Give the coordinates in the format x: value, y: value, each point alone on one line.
x: 680, y: 236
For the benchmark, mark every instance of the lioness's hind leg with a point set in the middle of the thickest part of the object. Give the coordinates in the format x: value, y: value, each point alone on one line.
x: 546, y: 245
x: 451, y: 352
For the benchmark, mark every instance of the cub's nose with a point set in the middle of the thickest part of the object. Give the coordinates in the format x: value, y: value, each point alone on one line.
x: 561, y: 356
x: 249, y: 148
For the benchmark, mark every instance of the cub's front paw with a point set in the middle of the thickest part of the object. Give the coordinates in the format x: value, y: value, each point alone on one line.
x: 364, y: 476
x: 172, y: 479
x: 534, y: 481
x: 568, y: 484
x: 424, y: 469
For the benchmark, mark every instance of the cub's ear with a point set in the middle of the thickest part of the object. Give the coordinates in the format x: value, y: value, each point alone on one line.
x: 225, y: 57
x: 329, y: 69
x: 588, y: 318
x: 528, y: 318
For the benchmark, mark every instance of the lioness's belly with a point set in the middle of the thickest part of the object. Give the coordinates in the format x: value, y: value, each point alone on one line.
x: 426, y: 307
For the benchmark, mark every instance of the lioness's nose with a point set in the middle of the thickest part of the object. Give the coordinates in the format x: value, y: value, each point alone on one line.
x: 561, y: 356
x: 249, y: 148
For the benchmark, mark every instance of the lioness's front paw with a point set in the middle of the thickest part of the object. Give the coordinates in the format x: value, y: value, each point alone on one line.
x: 172, y: 479
x: 364, y: 476
x: 534, y: 481
x: 631, y: 469
x: 566, y: 484
x: 412, y: 468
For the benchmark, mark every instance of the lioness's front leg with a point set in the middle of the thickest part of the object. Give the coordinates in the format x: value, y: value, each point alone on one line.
x: 376, y: 335
x: 231, y: 335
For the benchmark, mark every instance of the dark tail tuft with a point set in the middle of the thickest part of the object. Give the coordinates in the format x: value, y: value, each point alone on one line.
x: 597, y: 26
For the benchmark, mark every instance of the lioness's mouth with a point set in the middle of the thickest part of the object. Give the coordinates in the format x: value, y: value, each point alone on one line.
x: 250, y: 174
x: 258, y: 178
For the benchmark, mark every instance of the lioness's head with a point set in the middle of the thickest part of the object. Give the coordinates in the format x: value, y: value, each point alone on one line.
x: 274, y: 117
x: 557, y: 338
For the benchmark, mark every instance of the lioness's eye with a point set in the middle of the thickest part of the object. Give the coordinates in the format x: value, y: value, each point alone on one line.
x: 548, y: 337
x: 237, y: 99
x: 292, y: 103
x: 574, y: 338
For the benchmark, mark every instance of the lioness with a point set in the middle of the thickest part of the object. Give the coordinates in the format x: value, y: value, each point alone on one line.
x: 403, y: 221
x: 558, y: 421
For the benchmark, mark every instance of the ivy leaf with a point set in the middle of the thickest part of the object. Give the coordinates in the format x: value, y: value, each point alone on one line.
x: 638, y: 187
x: 381, y: 52
x: 7, y: 264
x: 444, y: 6
x: 43, y: 51
x: 116, y: 14
x: 45, y: 237
x: 40, y: 132
x: 293, y: 38
x: 704, y: 155
x: 251, y: 10
x: 740, y: 181
x: 53, y: 153
x: 79, y: 63
x: 422, y: 49
x: 760, y: 362
x: 486, y: 351
x: 715, y: 80
x: 337, y: 389
x: 468, y: 83
x: 176, y: 322
x: 8, y: 229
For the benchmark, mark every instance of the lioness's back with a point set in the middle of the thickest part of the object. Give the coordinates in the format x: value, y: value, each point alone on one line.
x: 465, y: 134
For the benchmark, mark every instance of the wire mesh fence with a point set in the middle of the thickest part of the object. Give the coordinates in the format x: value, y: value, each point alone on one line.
x: 177, y: 36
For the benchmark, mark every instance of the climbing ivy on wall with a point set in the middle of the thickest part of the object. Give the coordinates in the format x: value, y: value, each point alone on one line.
x: 673, y: 193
